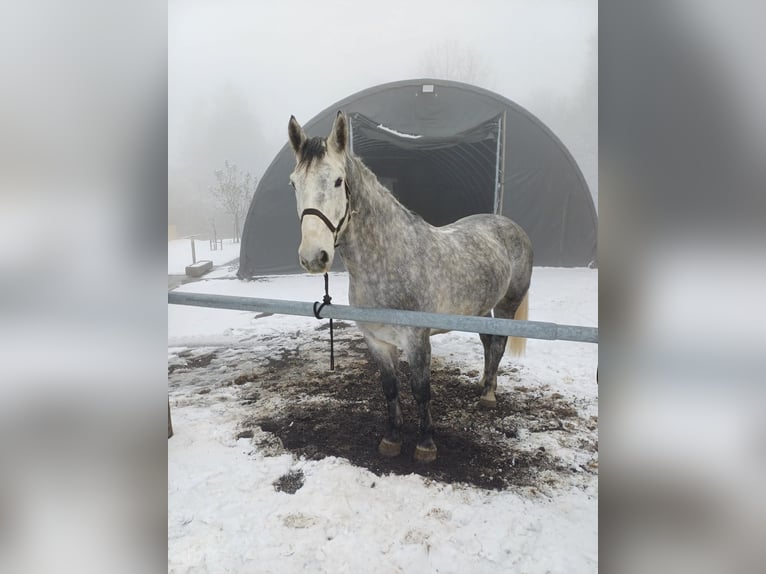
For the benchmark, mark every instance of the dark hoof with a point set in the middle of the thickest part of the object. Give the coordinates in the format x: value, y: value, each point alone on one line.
x: 425, y: 454
x: 389, y: 448
x: 486, y: 403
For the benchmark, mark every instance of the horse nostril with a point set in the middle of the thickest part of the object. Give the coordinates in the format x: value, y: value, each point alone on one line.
x: 323, y: 257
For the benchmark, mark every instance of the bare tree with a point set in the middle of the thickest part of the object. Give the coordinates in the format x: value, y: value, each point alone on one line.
x: 234, y: 191
x: 450, y: 60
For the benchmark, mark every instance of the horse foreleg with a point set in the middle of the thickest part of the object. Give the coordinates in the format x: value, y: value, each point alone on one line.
x: 386, y: 357
x: 494, y: 347
x: 419, y: 357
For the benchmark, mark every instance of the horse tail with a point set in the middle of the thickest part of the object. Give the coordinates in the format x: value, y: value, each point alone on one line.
x: 517, y: 345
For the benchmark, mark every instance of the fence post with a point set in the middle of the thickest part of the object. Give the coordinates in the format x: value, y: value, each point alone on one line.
x: 170, y: 422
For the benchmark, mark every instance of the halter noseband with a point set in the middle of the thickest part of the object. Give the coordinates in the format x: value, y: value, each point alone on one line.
x: 334, y: 229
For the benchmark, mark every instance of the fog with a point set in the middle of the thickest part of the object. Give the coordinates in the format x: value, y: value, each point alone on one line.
x: 238, y: 70
x: 83, y: 312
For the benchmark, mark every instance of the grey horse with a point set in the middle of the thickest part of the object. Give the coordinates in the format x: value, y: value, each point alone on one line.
x: 479, y: 265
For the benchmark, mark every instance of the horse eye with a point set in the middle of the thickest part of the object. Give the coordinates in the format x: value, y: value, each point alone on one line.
x: 338, y: 182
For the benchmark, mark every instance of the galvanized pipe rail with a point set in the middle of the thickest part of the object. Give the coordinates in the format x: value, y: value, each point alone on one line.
x: 470, y: 324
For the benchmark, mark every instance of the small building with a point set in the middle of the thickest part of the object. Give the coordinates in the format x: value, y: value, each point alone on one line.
x: 446, y: 150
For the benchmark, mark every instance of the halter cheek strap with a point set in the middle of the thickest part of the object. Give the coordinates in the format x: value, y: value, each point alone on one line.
x: 334, y: 229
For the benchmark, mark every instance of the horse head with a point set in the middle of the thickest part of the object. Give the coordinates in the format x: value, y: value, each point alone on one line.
x: 321, y: 191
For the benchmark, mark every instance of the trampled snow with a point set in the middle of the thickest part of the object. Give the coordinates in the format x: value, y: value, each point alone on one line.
x: 225, y: 515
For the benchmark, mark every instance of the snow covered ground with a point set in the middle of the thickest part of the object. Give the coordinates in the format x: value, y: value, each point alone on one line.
x: 233, y: 508
x: 180, y: 254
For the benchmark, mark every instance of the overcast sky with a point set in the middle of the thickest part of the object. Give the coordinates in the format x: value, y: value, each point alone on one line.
x: 299, y: 57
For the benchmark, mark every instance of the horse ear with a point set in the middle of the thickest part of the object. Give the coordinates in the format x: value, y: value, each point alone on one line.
x: 339, y: 135
x: 297, y: 136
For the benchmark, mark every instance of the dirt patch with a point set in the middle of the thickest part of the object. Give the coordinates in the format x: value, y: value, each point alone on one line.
x: 335, y: 325
x: 290, y: 482
x: 315, y: 414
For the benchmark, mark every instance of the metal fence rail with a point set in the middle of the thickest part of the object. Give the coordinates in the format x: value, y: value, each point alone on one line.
x: 490, y: 326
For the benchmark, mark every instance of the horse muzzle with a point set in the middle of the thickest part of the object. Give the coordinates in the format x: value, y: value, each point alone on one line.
x: 317, y: 249
x: 315, y: 260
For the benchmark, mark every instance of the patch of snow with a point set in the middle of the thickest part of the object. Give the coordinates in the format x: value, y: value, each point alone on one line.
x: 398, y: 133
x: 180, y: 255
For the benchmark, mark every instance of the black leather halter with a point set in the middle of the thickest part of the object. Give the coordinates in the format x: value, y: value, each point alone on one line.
x: 334, y: 229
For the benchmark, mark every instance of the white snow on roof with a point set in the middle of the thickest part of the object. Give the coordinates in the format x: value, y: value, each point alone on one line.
x: 398, y: 133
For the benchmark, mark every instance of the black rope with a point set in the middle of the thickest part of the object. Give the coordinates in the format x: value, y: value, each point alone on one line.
x: 318, y: 308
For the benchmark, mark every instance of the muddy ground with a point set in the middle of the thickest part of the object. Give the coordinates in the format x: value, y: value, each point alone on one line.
x: 290, y: 401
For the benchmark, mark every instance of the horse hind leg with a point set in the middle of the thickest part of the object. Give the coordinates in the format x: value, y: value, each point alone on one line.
x: 494, y: 347
x: 511, y: 306
x: 386, y: 357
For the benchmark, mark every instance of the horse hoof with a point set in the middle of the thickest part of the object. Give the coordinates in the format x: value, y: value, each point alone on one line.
x: 425, y: 454
x: 389, y: 448
x: 486, y: 403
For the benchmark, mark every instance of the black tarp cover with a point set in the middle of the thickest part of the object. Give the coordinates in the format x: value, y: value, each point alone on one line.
x: 437, y: 152
x: 442, y: 178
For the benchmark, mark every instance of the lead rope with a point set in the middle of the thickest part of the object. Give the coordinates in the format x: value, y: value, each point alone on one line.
x: 317, y: 309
